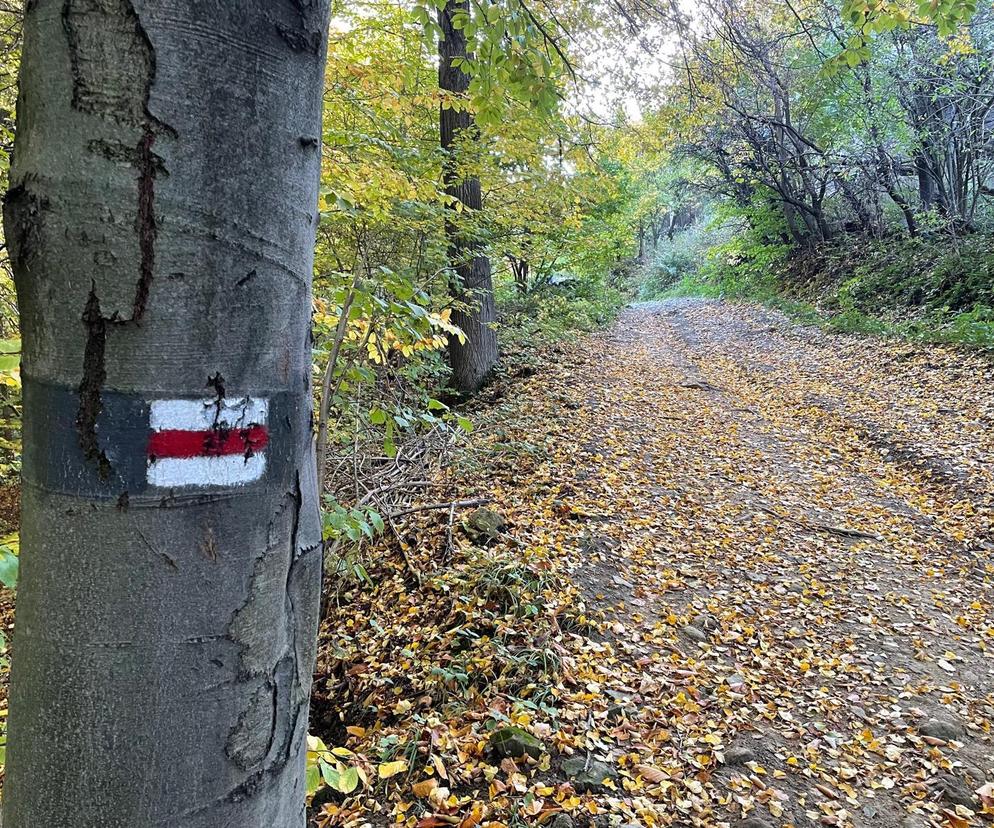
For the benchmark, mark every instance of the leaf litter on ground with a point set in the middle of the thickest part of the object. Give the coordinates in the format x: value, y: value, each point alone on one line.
x: 744, y: 580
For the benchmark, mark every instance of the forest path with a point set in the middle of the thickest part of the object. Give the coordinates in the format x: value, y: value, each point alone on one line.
x: 811, y: 515
x: 743, y: 574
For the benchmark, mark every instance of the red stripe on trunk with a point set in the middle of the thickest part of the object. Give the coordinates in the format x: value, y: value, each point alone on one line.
x: 213, y: 443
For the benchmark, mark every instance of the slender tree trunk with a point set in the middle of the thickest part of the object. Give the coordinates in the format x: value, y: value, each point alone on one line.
x: 892, y: 186
x: 520, y: 268
x: 926, y: 182
x: 473, y: 359
x: 161, y: 222
x: 791, y: 216
x: 825, y: 232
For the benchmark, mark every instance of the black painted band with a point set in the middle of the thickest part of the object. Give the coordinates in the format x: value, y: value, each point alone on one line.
x: 54, y: 459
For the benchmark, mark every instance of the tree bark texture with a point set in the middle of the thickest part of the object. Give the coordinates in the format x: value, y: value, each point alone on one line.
x: 472, y: 360
x: 161, y: 221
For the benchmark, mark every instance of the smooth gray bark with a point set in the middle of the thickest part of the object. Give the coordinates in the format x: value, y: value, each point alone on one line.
x: 161, y: 221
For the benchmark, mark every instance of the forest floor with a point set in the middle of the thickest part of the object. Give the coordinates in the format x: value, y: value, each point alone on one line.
x: 745, y: 579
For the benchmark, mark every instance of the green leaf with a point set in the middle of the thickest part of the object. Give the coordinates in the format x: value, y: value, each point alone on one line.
x: 342, y: 779
x: 332, y: 778
x: 350, y: 780
x: 9, y: 567
x: 465, y: 424
x: 313, y: 779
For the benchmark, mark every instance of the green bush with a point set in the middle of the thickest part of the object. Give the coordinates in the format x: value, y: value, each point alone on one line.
x: 936, y: 288
x: 554, y: 312
x: 937, y: 274
x: 674, y: 261
x: 734, y: 253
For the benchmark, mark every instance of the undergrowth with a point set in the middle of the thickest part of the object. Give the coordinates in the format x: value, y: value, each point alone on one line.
x: 937, y: 289
x: 553, y: 312
x: 431, y: 640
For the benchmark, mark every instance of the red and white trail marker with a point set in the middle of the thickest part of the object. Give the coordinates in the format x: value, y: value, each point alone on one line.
x: 207, y: 443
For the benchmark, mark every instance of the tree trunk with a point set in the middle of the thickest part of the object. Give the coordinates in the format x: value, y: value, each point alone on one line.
x: 520, y: 268
x: 892, y: 186
x: 927, y: 190
x: 473, y: 359
x: 161, y: 222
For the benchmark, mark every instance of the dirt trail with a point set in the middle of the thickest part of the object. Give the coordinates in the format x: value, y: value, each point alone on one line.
x: 744, y: 581
x: 812, y: 514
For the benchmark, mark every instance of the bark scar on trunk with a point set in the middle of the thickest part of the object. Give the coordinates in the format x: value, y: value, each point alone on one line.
x: 307, y: 34
x: 263, y: 625
x: 113, y: 70
x: 267, y: 631
x: 111, y: 58
x: 252, y: 737
x: 24, y: 211
x: 90, y: 388
x: 112, y: 61
x: 145, y: 223
x: 217, y: 383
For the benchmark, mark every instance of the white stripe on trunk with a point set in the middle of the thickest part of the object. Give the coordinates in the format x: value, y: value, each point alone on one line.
x: 230, y: 470
x: 202, y: 415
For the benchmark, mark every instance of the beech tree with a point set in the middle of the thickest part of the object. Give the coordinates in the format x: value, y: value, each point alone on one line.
x: 161, y: 220
x: 474, y: 356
